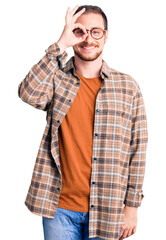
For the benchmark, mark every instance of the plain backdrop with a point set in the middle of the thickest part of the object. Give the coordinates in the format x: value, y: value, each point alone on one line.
x: 136, y: 46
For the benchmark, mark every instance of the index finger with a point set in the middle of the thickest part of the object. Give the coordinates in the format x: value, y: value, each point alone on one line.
x: 74, y: 9
x: 77, y: 15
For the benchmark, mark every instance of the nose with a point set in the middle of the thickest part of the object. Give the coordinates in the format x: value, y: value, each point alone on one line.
x: 89, y: 37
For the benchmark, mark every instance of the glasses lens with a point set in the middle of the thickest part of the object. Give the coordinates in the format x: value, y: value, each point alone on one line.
x: 97, y: 33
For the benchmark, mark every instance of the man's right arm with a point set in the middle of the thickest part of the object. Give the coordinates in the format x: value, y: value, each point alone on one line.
x: 38, y: 87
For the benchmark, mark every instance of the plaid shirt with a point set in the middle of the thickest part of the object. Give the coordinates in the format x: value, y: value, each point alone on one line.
x: 119, y: 141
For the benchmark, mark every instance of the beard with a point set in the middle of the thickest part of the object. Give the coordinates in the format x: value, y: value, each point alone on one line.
x: 87, y: 58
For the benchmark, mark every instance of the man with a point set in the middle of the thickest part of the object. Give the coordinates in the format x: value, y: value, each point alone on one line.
x: 89, y: 171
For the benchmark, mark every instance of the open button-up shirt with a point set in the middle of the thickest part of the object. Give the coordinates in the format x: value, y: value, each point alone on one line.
x: 119, y: 141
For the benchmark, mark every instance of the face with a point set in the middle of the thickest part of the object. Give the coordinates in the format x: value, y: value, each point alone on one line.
x: 90, y: 49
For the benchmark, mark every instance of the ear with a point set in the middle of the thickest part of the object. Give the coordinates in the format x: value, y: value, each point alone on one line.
x: 105, y: 36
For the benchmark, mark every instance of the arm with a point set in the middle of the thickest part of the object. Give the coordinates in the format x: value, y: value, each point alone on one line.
x: 129, y: 227
x: 138, y: 144
x: 39, y: 85
x: 134, y: 193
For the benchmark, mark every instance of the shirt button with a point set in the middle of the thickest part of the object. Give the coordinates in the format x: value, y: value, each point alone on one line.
x: 96, y: 134
x: 92, y: 205
x: 97, y: 110
x: 60, y: 55
x: 58, y: 188
x: 95, y: 158
x: 69, y: 100
x: 78, y: 83
x: 58, y: 121
x: 93, y: 182
x: 131, y: 142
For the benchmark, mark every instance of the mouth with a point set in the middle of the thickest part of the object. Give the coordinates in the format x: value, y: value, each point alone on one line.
x: 88, y: 48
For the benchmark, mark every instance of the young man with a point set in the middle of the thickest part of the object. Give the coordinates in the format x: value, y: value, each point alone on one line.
x: 88, y: 177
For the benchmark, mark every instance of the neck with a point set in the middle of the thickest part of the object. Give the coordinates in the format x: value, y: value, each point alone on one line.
x: 88, y: 69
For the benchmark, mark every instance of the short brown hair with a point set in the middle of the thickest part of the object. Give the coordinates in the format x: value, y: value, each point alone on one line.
x: 94, y: 9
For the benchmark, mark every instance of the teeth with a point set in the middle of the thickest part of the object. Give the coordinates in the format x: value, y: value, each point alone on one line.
x: 88, y: 47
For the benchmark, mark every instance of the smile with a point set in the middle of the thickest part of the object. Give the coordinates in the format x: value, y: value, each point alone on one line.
x: 88, y: 48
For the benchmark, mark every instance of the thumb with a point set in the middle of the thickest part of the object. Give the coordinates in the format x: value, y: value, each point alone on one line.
x: 83, y: 37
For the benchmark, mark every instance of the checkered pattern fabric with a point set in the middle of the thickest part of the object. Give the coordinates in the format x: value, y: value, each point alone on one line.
x: 119, y: 141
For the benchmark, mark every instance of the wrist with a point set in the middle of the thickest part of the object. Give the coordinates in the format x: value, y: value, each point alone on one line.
x: 131, y: 208
x: 61, y: 46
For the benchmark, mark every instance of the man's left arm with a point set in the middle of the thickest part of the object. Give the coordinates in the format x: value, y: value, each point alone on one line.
x: 138, y: 144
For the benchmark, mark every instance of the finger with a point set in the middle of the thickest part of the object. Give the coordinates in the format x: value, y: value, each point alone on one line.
x: 77, y: 15
x: 125, y: 233
x: 81, y: 39
x: 68, y: 9
x: 129, y: 232
x: 67, y: 13
x: 121, y: 234
x: 79, y: 25
x: 74, y: 10
x: 134, y: 230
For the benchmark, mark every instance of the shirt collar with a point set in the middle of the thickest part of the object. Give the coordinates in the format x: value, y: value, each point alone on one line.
x: 105, y: 69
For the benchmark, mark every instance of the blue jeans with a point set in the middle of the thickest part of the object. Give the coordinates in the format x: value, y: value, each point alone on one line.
x: 67, y: 225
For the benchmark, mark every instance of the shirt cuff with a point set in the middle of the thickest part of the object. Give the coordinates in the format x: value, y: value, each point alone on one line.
x: 133, y: 199
x: 55, y: 50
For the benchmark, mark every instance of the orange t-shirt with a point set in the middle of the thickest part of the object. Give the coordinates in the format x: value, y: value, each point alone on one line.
x: 75, y: 143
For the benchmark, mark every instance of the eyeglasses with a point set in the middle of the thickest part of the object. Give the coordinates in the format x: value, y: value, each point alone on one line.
x: 96, y: 33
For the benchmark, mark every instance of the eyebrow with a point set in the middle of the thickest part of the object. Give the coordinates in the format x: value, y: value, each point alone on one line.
x: 96, y: 27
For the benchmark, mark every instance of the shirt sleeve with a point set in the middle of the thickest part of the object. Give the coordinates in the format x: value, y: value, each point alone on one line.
x: 138, y: 144
x: 37, y: 88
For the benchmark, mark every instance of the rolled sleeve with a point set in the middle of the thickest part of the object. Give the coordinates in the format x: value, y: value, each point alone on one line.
x: 138, y: 144
x: 37, y: 88
x: 134, y: 199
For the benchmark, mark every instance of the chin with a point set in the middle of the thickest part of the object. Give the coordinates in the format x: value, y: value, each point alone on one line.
x: 87, y: 58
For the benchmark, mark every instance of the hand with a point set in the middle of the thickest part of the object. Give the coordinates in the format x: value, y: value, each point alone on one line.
x: 129, y: 227
x: 68, y: 38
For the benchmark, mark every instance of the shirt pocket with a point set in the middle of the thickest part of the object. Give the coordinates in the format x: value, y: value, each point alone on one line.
x: 118, y: 123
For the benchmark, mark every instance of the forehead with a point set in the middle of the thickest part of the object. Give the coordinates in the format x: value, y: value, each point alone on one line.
x: 90, y: 20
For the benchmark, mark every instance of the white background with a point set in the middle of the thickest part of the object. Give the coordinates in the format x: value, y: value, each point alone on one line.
x: 136, y: 46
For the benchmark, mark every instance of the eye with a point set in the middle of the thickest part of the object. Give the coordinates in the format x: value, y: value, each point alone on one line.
x: 96, y: 32
x: 78, y: 31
